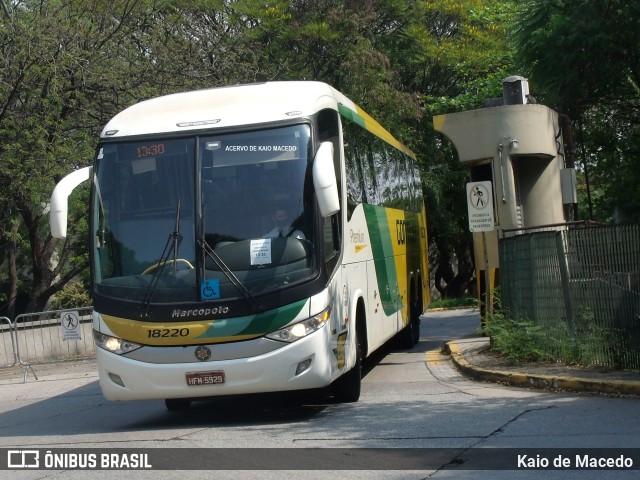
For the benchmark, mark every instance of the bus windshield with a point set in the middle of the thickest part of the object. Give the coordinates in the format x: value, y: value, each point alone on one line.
x: 214, y: 217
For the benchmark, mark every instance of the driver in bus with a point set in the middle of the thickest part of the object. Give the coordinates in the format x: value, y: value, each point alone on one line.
x: 282, y: 226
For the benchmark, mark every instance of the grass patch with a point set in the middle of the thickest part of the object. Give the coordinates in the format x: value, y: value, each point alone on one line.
x: 466, y: 302
x: 587, y: 344
x: 519, y: 340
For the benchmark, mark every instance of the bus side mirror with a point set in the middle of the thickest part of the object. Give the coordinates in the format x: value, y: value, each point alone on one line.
x: 58, y: 209
x: 324, y: 180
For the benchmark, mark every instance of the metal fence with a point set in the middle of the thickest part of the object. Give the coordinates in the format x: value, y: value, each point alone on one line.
x: 582, y: 286
x: 46, y: 337
x: 8, y: 357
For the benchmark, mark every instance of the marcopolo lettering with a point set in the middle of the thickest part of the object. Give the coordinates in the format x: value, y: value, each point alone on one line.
x: 198, y: 312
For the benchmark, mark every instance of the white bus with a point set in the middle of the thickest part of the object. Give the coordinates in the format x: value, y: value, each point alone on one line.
x: 254, y: 238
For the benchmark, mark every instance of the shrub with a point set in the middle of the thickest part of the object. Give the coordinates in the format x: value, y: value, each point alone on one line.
x: 519, y: 340
x: 73, y: 295
x: 466, y: 302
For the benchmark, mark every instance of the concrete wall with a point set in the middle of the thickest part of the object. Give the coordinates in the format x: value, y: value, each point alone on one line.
x: 524, y: 147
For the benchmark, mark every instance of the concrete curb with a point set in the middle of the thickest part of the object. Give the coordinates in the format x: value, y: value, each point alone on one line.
x: 519, y: 379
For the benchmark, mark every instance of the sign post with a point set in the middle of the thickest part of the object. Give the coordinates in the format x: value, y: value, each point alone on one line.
x: 481, y: 219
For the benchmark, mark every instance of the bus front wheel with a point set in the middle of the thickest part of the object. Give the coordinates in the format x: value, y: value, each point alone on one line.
x: 346, y: 389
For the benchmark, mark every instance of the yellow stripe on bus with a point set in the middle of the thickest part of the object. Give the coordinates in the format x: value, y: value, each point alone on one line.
x: 378, y: 130
x: 166, y: 334
x: 398, y: 234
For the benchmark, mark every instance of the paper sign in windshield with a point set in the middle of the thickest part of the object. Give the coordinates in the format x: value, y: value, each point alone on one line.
x: 260, y: 251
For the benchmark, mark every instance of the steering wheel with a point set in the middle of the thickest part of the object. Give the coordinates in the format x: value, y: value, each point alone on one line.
x: 176, y: 261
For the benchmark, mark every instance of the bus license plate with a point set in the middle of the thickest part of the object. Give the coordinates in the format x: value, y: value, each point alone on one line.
x: 196, y: 379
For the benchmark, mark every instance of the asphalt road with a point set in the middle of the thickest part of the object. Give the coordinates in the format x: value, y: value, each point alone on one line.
x: 441, y: 425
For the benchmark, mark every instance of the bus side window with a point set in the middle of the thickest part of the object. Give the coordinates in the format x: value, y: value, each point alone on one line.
x: 328, y: 131
x: 331, y: 233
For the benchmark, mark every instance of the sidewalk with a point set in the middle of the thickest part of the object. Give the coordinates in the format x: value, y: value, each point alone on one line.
x: 473, y: 358
x: 48, y: 371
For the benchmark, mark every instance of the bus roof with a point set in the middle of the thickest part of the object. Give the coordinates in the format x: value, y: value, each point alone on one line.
x: 238, y: 105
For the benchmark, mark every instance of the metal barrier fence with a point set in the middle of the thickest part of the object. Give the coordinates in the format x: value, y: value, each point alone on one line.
x: 46, y: 337
x: 55, y: 336
x: 582, y: 286
x: 8, y: 357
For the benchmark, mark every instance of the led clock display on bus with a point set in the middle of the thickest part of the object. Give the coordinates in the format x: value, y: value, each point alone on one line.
x: 150, y: 150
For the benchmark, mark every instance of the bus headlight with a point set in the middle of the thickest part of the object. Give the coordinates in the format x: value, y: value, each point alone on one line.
x: 114, y: 344
x: 294, y: 332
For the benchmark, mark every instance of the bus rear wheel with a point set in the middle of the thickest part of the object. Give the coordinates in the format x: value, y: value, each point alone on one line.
x: 410, y: 335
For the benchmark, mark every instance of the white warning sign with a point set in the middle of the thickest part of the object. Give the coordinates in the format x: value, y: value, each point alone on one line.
x: 70, y: 324
x: 480, y: 206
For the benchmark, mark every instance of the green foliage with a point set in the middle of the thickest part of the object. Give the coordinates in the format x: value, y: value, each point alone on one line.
x: 52, y: 105
x: 448, y: 303
x: 611, y: 153
x: 583, y: 59
x: 580, y: 52
x: 586, y: 343
x: 73, y: 295
x: 519, y: 340
x: 458, y: 55
x: 69, y: 66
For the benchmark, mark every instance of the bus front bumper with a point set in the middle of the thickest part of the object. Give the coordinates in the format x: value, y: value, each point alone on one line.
x: 305, y: 364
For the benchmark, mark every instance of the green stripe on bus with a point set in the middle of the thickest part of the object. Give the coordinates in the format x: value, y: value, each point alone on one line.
x: 382, y: 249
x: 259, y: 324
x: 351, y: 115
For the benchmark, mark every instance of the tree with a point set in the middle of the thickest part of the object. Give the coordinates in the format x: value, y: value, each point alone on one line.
x: 43, y: 134
x: 458, y: 57
x: 584, y: 57
x: 67, y: 68
x: 582, y: 52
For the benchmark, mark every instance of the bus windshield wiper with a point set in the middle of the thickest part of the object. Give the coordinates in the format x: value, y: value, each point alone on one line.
x: 172, y: 245
x: 209, y: 252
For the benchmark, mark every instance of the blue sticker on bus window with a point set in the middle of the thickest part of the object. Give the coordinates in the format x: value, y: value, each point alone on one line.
x: 210, y: 289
